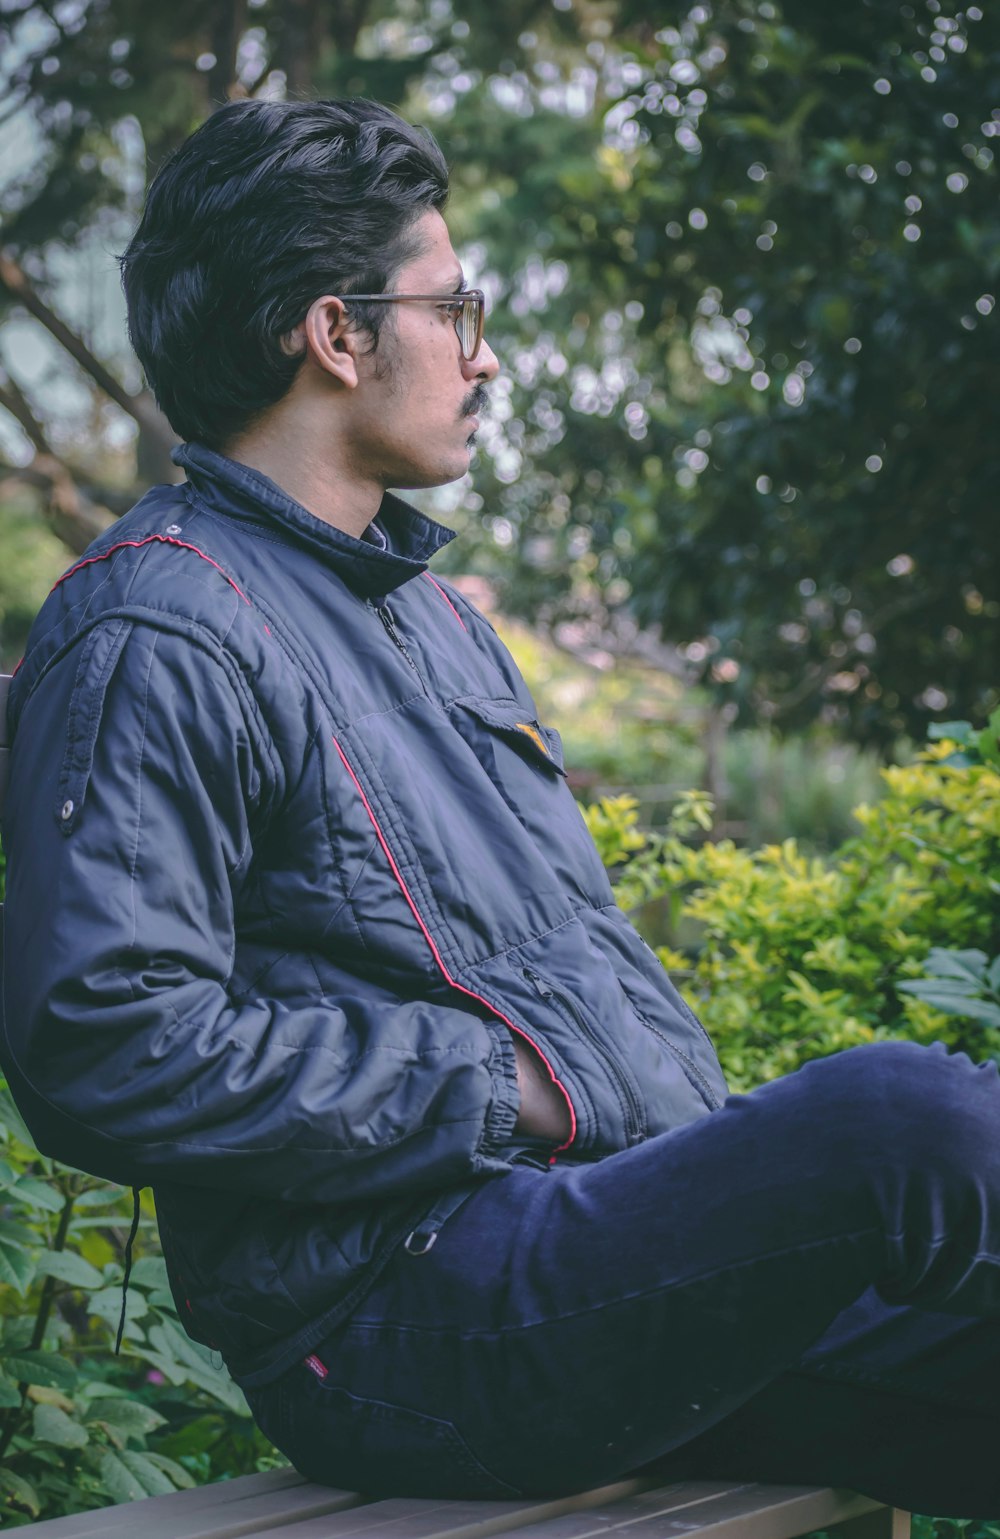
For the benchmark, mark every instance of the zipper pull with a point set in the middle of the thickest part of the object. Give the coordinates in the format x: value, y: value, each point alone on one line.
x: 536, y: 983
x: 385, y: 615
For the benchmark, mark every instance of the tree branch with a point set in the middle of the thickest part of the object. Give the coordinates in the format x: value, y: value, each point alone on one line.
x: 140, y: 407
x: 70, y: 512
x: 12, y: 397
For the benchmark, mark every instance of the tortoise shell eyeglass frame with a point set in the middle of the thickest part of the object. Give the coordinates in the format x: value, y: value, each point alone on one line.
x: 469, y: 305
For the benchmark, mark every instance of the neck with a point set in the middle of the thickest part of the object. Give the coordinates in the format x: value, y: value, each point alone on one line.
x: 292, y: 460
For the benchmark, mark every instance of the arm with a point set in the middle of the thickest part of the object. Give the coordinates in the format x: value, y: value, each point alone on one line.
x: 126, y: 1052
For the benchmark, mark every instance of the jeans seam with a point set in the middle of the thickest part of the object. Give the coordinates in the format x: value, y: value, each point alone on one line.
x: 356, y: 1326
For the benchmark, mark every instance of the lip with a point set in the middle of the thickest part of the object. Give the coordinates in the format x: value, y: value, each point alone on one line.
x: 474, y: 420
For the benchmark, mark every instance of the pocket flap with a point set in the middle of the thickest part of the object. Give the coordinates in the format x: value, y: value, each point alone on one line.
x: 520, y: 728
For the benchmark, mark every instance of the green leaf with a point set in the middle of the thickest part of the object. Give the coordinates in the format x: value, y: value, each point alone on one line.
x: 54, y: 1426
x: 20, y: 1492
x: 101, y: 1197
x: 10, y: 1395
x: 38, y: 1194
x: 952, y: 732
x: 944, y: 963
x: 152, y: 1478
x: 16, y: 1332
x: 106, y: 1303
x: 119, y: 1482
x: 217, y: 1383
x: 993, y: 976
x: 18, y: 1234
x: 988, y: 741
x: 68, y: 1267
x: 953, y: 988
x: 17, y: 1268
x: 171, y: 1340
x: 172, y: 1370
x: 968, y: 1006
x: 150, y: 1272
x: 130, y: 1416
x: 39, y: 1368
x: 189, y: 1441
x: 182, y: 1478
x: 176, y: 1348
x: 12, y: 1124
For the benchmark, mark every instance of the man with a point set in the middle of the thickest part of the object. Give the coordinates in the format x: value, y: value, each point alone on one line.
x: 305, y: 930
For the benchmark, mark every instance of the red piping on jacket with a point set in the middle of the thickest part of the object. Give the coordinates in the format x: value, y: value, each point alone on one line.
x: 447, y: 600
x: 162, y: 539
x: 428, y: 937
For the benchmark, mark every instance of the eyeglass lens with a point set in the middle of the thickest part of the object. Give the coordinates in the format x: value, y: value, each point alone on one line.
x: 470, y: 326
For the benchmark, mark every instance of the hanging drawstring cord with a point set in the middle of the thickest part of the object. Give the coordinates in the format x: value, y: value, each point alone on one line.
x: 128, y: 1266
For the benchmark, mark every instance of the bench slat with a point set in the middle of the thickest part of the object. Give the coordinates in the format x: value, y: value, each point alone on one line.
x: 406, y: 1518
x: 741, y: 1512
x: 227, y: 1509
x: 684, y: 1497
x: 647, y: 1503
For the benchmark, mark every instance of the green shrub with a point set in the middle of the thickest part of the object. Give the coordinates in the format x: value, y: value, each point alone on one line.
x: 792, y: 957
x: 80, y: 1427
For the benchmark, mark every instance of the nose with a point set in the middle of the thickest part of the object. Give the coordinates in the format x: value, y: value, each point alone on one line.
x: 485, y: 365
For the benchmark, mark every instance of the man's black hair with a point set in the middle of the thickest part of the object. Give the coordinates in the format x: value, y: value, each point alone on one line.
x: 264, y: 208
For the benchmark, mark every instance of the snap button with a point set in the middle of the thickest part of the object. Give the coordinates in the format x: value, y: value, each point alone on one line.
x: 67, y: 810
x: 173, y: 528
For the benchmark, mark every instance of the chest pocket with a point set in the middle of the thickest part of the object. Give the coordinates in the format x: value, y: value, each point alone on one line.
x: 508, y: 722
x: 523, y: 760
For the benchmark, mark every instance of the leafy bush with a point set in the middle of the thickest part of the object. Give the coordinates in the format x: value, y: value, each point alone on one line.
x: 80, y: 1427
x: 789, y: 957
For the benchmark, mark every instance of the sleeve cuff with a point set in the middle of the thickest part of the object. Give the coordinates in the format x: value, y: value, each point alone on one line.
x: 502, y: 1113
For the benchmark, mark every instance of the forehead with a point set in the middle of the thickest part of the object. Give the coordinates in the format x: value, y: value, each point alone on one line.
x: 435, y: 265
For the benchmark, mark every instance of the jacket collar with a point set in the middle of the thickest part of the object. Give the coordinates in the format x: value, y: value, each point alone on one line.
x: 240, y: 492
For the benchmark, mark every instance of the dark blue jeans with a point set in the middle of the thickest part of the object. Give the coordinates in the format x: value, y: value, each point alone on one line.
x: 802, y: 1287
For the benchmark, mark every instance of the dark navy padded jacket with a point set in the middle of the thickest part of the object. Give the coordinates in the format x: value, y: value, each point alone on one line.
x: 290, y: 857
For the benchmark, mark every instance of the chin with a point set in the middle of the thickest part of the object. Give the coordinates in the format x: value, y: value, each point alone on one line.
x: 415, y: 477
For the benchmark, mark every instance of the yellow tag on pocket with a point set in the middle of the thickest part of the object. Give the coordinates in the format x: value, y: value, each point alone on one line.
x: 534, y: 734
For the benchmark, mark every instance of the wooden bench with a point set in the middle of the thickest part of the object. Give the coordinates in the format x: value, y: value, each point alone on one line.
x: 281, y: 1505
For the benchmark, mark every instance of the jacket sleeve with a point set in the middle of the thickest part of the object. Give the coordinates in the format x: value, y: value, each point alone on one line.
x: 137, y: 769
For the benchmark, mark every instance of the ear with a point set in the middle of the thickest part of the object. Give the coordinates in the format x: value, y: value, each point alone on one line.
x: 330, y: 341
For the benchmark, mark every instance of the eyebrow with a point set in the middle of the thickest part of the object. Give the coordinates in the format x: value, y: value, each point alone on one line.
x: 457, y: 282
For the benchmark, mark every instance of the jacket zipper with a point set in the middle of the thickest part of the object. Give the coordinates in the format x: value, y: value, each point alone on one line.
x: 389, y: 625
x: 694, y: 1073
x: 635, y: 1121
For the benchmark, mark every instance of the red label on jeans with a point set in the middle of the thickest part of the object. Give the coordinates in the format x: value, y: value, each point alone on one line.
x: 314, y: 1365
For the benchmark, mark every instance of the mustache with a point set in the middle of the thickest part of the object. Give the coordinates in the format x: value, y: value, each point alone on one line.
x: 476, y: 402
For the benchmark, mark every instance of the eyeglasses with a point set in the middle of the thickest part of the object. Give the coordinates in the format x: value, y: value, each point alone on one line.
x: 469, y: 309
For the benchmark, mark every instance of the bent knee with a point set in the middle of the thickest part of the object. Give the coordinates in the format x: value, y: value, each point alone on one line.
x: 912, y: 1093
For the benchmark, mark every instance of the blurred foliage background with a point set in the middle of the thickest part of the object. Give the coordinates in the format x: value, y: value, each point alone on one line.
x: 742, y: 260
x: 735, y: 511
